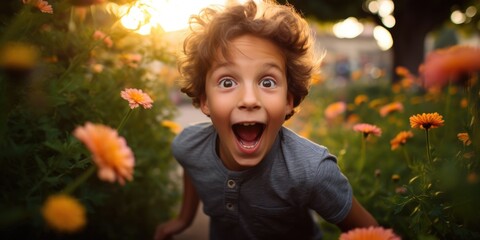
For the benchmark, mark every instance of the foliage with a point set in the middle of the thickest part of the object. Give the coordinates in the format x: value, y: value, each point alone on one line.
x: 77, y: 78
x: 419, y: 199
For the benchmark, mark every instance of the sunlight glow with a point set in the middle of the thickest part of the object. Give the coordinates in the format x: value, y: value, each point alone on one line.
x: 145, y: 15
x: 457, y: 17
x: 385, y: 8
x: 471, y: 11
x: 383, y: 37
x: 389, y: 21
x: 348, y: 28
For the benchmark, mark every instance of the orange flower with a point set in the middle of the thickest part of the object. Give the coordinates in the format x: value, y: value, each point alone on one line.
x: 99, y: 35
x: 449, y: 64
x: 173, y: 126
x: 400, y: 139
x: 426, y: 120
x: 367, y: 129
x: 64, y: 213
x: 43, y: 6
x: 114, y: 159
x: 371, y: 233
x: 335, y: 109
x: 136, y: 97
x: 464, y: 137
x: 391, y: 107
x: 360, y: 99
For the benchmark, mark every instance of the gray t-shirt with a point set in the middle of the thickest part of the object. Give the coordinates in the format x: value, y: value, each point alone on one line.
x: 271, y: 200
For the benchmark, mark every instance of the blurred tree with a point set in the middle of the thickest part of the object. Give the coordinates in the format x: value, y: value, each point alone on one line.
x: 414, y: 20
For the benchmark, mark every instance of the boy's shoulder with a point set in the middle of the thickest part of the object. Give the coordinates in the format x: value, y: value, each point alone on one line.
x: 193, y: 137
x: 299, y: 146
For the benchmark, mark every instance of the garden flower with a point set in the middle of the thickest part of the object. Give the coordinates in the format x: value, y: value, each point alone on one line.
x: 17, y: 55
x: 449, y: 64
x: 400, y: 139
x: 391, y: 107
x: 371, y: 233
x: 64, y: 213
x: 464, y: 138
x: 131, y: 59
x: 43, y: 6
x: 173, y: 126
x: 360, y: 99
x: 335, y: 109
x: 395, y: 177
x: 99, y: 35
x: 426, y: 120
x: 136, y: 97
x: 114, y: 159
x: 367, y: 129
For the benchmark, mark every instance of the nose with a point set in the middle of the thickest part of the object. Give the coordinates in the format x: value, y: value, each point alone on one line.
x: 249, y: 98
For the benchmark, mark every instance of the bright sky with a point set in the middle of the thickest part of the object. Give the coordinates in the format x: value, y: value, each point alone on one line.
x: 170, y: 15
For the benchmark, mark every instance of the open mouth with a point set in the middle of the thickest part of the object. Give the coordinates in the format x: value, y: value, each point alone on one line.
x: 248, y: 134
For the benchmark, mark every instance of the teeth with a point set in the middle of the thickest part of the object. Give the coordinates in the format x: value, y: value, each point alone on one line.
x: 248, y: 124
x: 248, y: 146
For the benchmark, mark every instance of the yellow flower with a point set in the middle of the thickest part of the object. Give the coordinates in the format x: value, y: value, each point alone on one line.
x: 173, y: 126
x: 391, y: 107
x: 400, y: 139
x: 426, y: 120
x: 367, y: 129
x: 114, y: 159
x: 64, y: 213
x: 136, y: 97
x: 17, y: 55
x: 371, y: 233
x: 335, y: 109
x: 131, y: 59
x: 43, y: 6
x: 465, y: 138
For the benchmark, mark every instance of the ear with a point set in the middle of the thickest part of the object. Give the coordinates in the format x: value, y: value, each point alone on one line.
x: 289, y: 106
x: 204, y: 105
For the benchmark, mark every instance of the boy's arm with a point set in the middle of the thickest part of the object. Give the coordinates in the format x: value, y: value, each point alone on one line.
x: 187, y: 213
x: 358, y: 217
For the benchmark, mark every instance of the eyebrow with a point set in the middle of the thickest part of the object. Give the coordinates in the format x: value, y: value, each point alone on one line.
x: 266, y: 65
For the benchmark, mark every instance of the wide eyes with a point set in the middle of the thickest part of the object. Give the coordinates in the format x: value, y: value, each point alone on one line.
x: 227, y: 83
x: 268, y: 83
x: 264, y: 83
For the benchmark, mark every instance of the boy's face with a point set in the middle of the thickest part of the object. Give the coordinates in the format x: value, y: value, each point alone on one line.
x: 247, y: 100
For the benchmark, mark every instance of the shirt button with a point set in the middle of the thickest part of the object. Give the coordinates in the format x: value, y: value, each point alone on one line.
x: 231, y: 183
x: 230, y: 206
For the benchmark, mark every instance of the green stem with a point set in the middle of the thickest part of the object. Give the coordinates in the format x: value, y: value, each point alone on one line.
x: 124, y: 119
x: 407, y: 158
x: 429, y: 158
x: 82, y: 178
x: 361, y: 162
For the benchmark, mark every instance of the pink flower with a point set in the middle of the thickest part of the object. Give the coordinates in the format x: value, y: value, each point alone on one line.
x: 367, y: 129
x: 371, y: 233
x: 335, y: 109
x: 136, y: 97
x: 444, y: 65
x: 114, y: 159
x: 99, y: 35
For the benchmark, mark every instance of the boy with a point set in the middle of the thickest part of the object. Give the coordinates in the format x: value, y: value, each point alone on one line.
x: 247, y: 69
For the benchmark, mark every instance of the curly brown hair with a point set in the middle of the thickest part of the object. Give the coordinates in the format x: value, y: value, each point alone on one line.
x: 212, y: 29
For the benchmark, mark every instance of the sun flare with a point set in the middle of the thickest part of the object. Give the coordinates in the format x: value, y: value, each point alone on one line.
x: 144, y: 15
